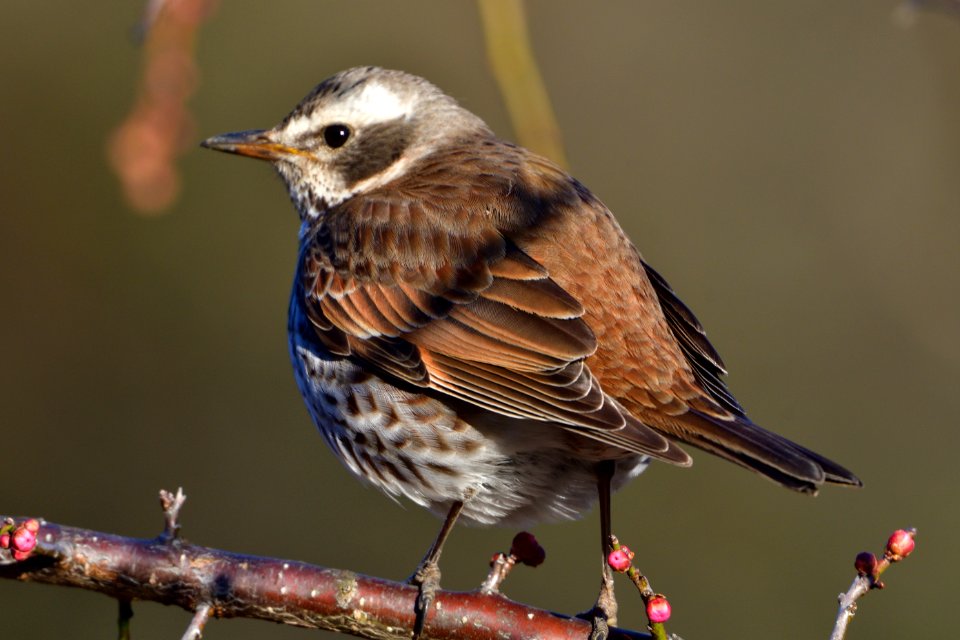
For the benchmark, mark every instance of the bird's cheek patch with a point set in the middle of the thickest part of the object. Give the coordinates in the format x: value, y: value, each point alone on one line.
x: 376, y: 148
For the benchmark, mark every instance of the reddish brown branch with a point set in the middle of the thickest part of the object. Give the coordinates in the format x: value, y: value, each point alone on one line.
x: 144, y: 148
x: 174, y: 572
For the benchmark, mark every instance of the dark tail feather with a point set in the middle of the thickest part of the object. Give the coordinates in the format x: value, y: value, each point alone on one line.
x: 833, y: 472
x: 785, y: 462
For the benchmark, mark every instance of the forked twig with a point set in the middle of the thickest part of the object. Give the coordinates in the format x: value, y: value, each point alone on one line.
x: 869, y: 568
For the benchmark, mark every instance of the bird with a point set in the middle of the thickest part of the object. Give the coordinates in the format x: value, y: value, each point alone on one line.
x: 472, y: 330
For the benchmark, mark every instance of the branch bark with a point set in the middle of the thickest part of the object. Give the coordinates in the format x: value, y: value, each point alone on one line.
x: 174, y: 572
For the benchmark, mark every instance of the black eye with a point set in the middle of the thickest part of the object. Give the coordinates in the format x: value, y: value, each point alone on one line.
x: 336, y: 135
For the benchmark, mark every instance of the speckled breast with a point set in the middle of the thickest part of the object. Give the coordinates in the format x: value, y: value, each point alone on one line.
x: 414, y: 445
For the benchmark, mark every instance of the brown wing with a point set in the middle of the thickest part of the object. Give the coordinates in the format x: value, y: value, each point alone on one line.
x: 488, y: 273
x: 653, y: 355
x: 729, y: 433
x: 434, y: 294
x: 704, y: 360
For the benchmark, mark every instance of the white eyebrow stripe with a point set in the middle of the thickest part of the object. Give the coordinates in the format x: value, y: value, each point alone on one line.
x: 375, y: 99
x: 373, y: 103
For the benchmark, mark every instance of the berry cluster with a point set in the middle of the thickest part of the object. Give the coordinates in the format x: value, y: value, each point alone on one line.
x: 621, y: 560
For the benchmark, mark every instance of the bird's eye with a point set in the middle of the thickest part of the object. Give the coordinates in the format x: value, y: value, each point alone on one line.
x: 336, y: 135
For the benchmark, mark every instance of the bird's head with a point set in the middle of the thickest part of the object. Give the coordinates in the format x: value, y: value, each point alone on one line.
x: 355, y: 132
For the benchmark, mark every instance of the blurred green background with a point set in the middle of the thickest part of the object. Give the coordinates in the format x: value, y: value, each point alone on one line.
x: 792, y: 168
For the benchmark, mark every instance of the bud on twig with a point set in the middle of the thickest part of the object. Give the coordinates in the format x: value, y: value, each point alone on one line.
x: 21, y: 539
x: 869, y: 568
x: 658, y: 609
x: 527, y: 550
x: 866, y: 564
x: 620, y: 559
x: 900, y: 544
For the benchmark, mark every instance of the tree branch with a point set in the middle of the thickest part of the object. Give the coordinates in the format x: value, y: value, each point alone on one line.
x: 170, y: 571
x: 869, y: 569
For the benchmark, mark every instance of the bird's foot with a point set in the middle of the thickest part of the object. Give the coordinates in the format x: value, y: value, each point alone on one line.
x: 427, y: 580
x: 603, y: 615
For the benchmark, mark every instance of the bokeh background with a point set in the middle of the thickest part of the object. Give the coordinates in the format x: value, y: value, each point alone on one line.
x: 792, y: 168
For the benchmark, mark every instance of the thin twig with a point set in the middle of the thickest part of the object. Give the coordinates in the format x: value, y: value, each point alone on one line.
x: 195, y: 630
x: 500, y: 568
x: 150, y: 12
x: 868, y: 579
x: 124, y: 614
x: 515, y: 69
x: 144, y: 148
x: 171, y: 504
x: 848, y: 605
x: 525, y: 549
x: 640, y: 581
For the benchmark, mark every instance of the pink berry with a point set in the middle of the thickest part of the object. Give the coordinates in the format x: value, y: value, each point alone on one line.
x: 658, y: 609
x: 619, y: 559
x: 900, y: 544
x: 21, y: 555
x: 866, y: 564
x: 31, y: 525
x: 5, y: 541
x: 23, y: 540
x: 527, y: 550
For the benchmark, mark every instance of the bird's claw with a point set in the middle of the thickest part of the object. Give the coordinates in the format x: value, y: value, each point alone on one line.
x: 600, y: 623
x: 599, y: 627
x: 603, y: 615
x: 427, y: 580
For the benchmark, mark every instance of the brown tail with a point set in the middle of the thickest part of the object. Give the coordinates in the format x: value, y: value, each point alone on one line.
x: 785, y: 462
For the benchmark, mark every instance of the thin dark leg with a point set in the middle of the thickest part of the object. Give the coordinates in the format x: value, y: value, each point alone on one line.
x: 427, y: 575
x: 605, y: 611
x: 604, y: 477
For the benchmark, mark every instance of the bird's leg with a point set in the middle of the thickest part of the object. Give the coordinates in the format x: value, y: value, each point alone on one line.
x: 605, y: 611
x: 427, y: 575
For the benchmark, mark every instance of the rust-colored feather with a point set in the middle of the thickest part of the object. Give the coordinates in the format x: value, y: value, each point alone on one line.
x: 489, y: 275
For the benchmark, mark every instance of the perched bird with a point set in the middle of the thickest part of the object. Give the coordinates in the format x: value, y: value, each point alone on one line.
x: 471, y: 328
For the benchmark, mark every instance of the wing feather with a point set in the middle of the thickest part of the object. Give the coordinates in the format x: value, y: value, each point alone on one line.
x: 471, y: 284
x: 464, y: 312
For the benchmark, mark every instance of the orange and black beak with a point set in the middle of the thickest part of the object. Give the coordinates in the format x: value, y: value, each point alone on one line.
x: 257, y: 143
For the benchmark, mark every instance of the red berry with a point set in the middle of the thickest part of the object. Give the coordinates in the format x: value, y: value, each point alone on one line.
x: 21, y: 555
x: 5, y: 541
x: 866, y: 564
x: 31, y: 525
x: 658, y: 609
x: 527, y: 550
x: 619, y: 559
x: 900, y: 544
